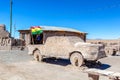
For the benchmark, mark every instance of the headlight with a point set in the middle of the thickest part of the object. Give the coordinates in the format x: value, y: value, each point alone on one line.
x: 93, y: 53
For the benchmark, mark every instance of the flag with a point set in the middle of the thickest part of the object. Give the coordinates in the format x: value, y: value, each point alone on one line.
x: 36, y: 30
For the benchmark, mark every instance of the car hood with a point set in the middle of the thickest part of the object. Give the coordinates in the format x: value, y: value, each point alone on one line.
x: 86, y: 44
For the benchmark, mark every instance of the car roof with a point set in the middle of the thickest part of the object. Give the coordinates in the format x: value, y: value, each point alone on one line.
x: 53, y: 28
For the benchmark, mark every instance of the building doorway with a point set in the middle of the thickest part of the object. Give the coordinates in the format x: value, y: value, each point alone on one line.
x: 37, y: 39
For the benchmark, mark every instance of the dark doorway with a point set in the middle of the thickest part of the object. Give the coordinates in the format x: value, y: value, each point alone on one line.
x: 37, y: 39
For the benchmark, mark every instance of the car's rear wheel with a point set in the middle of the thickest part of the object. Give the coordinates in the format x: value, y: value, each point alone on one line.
x: 76, y: 59
x: 37, y: 55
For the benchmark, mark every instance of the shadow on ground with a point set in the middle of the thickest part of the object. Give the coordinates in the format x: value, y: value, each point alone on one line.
x: 65, y: 62
x: 62, y: 62
x: 98, y: 65
x: 104, y: 66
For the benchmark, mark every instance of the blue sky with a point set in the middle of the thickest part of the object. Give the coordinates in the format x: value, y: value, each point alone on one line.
x: 99, y: 18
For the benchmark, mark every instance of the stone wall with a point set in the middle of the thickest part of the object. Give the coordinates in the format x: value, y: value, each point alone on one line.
x: 3, y: 31
x: 5, y: 43
x: 110, y: 45
x: 25, y: 35
x: 5, y: 40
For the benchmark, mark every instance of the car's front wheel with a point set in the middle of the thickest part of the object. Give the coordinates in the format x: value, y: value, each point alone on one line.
x: 76, y: 59
x: 37, y: 55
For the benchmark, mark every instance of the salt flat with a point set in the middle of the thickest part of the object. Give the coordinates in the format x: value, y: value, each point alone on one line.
x: 18, y: 65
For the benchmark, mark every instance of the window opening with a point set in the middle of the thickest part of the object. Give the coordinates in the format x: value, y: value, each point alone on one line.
x: 37, y: 39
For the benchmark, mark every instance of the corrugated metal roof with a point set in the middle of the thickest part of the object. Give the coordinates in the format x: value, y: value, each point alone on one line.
x: 58, y: 28
x: 54, y: 28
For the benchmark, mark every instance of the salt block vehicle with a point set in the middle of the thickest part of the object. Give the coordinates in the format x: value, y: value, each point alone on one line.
x: 67, y: 44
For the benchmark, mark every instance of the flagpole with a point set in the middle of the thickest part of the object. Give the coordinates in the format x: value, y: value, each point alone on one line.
x: 32, y: 39
x: 10, y: 18
x: 31, y: 36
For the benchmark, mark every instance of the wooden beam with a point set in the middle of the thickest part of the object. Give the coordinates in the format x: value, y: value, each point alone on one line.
x: 93, y: 77
x: 94, y: 74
